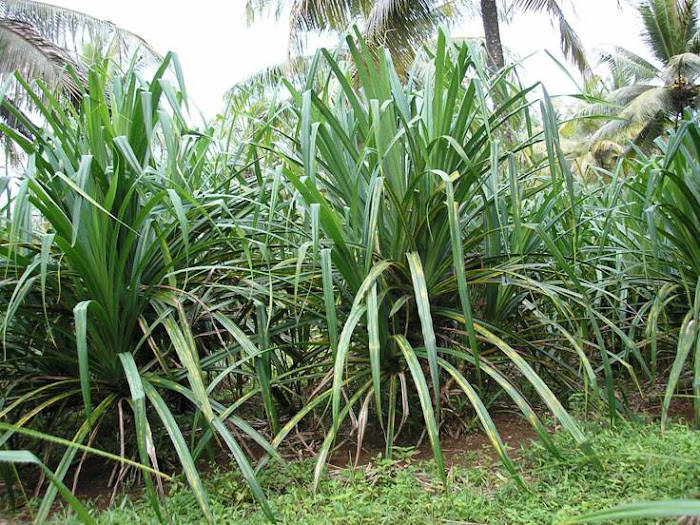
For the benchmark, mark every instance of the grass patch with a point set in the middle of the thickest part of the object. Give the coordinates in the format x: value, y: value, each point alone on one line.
x: 640, y: 462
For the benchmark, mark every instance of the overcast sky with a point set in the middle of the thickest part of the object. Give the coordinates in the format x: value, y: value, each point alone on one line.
x: 217, y: 48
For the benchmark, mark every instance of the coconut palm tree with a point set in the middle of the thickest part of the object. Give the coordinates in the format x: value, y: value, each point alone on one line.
x: 645, y: 96
x: 403, y: 25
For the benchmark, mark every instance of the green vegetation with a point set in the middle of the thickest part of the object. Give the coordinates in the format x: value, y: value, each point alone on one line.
x: 640, y: 465
x: 366, y: 253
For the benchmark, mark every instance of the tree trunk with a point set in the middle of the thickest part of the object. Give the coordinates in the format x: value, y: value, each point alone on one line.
x: 492, y: 32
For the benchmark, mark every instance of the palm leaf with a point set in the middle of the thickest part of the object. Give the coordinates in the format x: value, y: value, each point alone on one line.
x: 571, y: 44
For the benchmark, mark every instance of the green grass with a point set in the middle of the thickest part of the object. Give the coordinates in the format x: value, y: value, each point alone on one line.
x: 641, y: 464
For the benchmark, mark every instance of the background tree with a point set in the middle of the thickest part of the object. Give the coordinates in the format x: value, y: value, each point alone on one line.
x: 404, y: 25
x: 646, y: 96
x: 40, y: 40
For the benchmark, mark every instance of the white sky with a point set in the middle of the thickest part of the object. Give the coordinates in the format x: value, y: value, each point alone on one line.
x: 216, y: 48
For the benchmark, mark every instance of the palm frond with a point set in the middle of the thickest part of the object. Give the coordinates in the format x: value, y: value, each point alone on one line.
x: 71, y: 29
x: 627, y: 67
x: 598, y: 109
x: 403, y: 26
x: 641, y: 119
x: 688, y: 20
x: 571, y: 44
x: 627, y: 94
x: 293, y: 70
x: 693, y: 45
x: 315, y: 15
x: 668, y: 26
x: 648, y: 104
x: 685, y: 65
x: 23, y: 49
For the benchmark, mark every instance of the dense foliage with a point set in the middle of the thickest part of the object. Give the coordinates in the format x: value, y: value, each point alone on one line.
x: 363, y: 253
